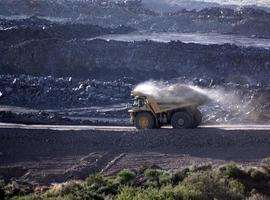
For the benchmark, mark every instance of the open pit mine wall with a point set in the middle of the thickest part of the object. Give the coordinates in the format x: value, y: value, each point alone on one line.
x: 248, y: 21
x: 142, y: 60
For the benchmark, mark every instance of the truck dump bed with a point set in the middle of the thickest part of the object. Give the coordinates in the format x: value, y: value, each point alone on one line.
x: 166, y: 103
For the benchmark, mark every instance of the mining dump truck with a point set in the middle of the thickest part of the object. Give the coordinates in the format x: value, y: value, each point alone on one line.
x: 147, y: 113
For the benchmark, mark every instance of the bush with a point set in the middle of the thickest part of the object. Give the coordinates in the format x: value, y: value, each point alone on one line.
x: 199, y: 183
x: 165, y: 179
x: 27, y: 198
x: 129, y: 193
x: 214, y: 185
x: 199, y: 168
x: 257, y: 175
x: 85, y: 193
x: 233, y: 171
x: 258, y: 197
x: 153, y: 176
x: 2, y: 189
x: 62, y: 189
x: 178, y: 177
x: 126, y: 177
x: 41, y: 198
x: 126, y: 193
x: 266, y: 165
x: 12, y: 189
x: 96, y: 181
x: 154, y: 194
x: 182, y: 192
x: 95, y: 187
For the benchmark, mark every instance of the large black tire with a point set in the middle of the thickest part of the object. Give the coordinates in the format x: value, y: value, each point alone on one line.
x: 181, y: 120
x: 197, y: 118
x: 144, y: 120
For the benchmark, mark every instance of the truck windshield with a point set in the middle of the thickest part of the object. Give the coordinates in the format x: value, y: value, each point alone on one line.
x: 138, y: 102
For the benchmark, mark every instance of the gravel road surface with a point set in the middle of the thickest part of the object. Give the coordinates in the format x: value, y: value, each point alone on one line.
x: 47, y: 154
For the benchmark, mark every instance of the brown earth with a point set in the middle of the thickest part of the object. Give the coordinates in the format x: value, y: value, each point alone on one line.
x: 48, y: 156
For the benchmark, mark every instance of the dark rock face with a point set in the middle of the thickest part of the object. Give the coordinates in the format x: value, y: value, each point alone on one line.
x: 16, y: 31
x: 246, y: 21
x: 143, y: 60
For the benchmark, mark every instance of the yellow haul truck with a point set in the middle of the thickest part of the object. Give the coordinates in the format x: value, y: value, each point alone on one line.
x: 147, y: 113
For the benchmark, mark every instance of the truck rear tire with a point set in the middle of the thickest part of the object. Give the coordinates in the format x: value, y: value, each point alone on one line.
x: 181, y: 120
x: 197, y: 118
x: 144, y: 120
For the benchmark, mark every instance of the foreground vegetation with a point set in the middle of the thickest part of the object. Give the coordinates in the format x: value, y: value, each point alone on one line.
x: 229, y: 182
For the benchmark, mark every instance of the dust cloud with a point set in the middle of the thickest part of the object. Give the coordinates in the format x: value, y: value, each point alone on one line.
x: 165, y: 92
x: 218, y: 104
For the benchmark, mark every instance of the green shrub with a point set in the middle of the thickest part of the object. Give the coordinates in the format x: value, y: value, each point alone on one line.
x: 199, y: 183
x: 153, y: 177
x: 257, y: 175
x: 96, y: 181
x: 266, y: 165
x: 129, y: 193
x: 258, y: 197
x: 126, y: 193
x: 126, y: 177
x: 85, y: 193
x: 178, y: 177
x: 198, y: 168
x: 26, y: 198
x: 12, y: 189
x: 165, y: 179
x: 152, y: 174
x: 68, y: 197
x: 233, y: 171
x: 62, y: 189
x: 95, y: 187
x: 214, y: 185
x: 182, y: 192
x: 154, y: 194
x: 2, y: 189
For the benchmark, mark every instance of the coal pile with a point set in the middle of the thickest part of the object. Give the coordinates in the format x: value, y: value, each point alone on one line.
x: 51, y: 93
x: 34, y: 28
x: 49, y: 100
x: 110, y: 60
x: 247, y: 21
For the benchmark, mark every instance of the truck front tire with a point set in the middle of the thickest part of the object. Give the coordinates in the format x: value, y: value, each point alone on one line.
x: 181, y: 120
x: 144, y: 120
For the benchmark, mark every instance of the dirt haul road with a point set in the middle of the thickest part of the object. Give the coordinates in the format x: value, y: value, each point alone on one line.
x: 47, y: 154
